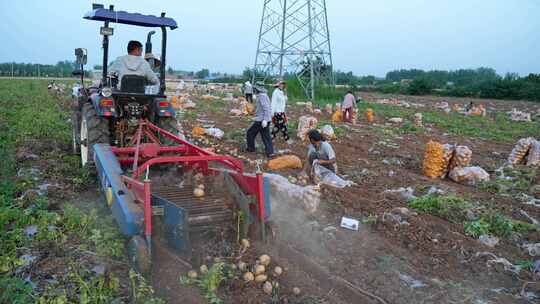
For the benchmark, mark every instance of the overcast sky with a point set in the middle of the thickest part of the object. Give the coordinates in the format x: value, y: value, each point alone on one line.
x: 368, y: 37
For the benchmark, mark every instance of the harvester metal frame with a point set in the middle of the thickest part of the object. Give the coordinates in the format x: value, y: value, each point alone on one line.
x: 130, y: 197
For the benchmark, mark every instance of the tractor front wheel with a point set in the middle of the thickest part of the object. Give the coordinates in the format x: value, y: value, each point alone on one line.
x: 139, y: 255
x: 93, y: 130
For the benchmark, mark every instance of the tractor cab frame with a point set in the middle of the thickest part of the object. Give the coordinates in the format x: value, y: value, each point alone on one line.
x: 103, y: 113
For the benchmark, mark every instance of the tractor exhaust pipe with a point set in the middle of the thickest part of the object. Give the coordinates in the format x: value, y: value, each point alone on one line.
x: 148, y: 46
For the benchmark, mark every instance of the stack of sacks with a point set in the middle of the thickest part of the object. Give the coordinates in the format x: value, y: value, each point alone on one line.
x: 305, y: 123
x: 434, y: 165
x: 526, y: 151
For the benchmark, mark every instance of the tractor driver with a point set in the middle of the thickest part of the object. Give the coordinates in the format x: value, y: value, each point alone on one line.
x: 133, y: 64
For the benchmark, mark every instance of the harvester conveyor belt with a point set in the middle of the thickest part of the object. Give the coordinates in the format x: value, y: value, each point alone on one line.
x: 209, y: 211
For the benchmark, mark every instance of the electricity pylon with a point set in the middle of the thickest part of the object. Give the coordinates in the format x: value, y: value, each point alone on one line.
x: 294, y: 41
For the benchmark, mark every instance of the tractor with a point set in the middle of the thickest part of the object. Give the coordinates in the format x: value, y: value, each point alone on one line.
x: 148, y: 173
x: 103, y: 113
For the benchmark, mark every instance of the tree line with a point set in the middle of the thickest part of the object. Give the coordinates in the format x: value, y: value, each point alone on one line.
x: 481, y: 82
x: 60, y: 69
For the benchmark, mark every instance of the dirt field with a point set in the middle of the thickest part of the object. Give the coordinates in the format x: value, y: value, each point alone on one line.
x: 418, y: 257
x: 428, y: 260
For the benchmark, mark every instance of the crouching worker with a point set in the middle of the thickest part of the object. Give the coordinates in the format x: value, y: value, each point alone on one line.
x: 263, y: 116
x: 320, y: 152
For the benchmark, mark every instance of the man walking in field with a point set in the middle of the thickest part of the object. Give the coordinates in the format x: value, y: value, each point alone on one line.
x: 279, y: 118
x: 263, y: 115
x: 133, y: 64
x: 348, y: 106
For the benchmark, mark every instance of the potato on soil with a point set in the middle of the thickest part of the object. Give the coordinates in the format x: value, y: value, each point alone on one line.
x: 245, y: 243
x: 248, y: 277
x: 265, y: 259
x: 198, y: 192
x: 261, y: 278
x: 203, y: 269
x: 267, y: 288
x: 242, y: 266
x: 260, y: 269
x: 192, y: 274
x: 296, y: 291
x: 278, y: 271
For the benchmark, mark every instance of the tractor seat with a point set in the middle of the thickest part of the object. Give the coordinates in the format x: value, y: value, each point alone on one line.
x: 133, y: 84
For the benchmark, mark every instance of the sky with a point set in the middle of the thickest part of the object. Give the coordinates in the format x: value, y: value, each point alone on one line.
x: 368, y: 37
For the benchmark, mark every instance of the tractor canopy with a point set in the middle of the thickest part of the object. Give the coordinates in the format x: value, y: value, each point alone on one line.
x: 103, y: 14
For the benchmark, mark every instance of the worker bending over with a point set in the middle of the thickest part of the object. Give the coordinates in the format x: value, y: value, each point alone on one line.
x: 263, y: 116
x: 279, y: 118
x: 320, y: 152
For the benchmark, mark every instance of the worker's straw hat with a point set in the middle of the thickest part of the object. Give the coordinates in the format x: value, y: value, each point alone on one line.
x: 157, y: 62
x: 260, y: 87
x: 278, y: 83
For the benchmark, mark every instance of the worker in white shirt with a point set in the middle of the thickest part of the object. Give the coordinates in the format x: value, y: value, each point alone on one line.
x: 279, y: 118
x: 248, y: 91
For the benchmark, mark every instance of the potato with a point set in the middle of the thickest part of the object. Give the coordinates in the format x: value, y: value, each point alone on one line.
x: 260, y: 269
x: 267, y: 288
x: 278, y: 271
x: 245, y: 243
x: 192, y: 274
x: 242, y: 266
x: 248, y: 277
x: 265, y: 259
x: 203, y: 269
x: 296, y: 291
x: 198, y: 192
x: 261, y: 278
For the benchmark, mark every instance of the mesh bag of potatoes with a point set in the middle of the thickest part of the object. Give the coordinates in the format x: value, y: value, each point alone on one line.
x: 469, y: 175
x: 309, y: 107
x: 448, y: 153
x: 354, y: 116
x: 534, y: 154
x: 370, y: 115
x: 338, y: 114
x: 328, y: 108
x: 285, y: 162
x: 305, y: 123
x: 434, y: 165
x: 198, y: 131
x: 244, y: 107
x: 462, y: 157
x: 328, y: 132
x: 517, y: 156
x: 418, y: 119
x: 250, y: 108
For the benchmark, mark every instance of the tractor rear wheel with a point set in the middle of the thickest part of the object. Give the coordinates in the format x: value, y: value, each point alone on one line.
x: 169, y: 124
x: 139, y: 255
x: 94, y: 130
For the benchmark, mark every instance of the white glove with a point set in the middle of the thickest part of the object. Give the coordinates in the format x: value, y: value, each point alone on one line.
x: 264, y: 124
